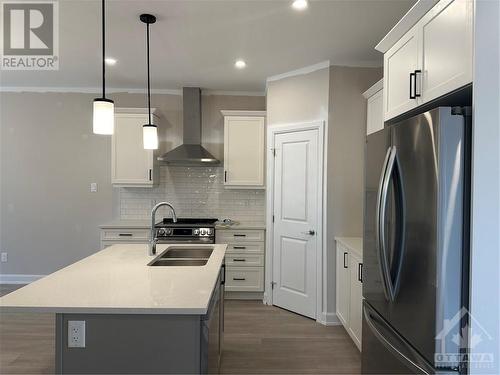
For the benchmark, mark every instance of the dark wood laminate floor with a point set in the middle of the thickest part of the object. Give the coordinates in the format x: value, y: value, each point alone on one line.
x: 258, y: 339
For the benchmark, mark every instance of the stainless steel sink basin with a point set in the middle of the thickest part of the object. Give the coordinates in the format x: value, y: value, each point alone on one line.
x: 178, y: 262
x: 183, y: 256
x: 188, y: 252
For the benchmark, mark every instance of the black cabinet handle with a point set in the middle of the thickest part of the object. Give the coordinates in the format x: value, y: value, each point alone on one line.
x: 225, y: 176
x: 239, y: 235
x: 150, y: 174
x: 412, y: 81
x: 239, y: 260
x: 417, y: 94
x: 360, y: 272
x: 125, y: 234
x: 223, y: 281
x: 239, y: 247
x: 239, y: 279
x: 345, y: 260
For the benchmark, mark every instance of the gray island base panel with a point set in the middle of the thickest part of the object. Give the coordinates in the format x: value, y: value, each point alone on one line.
x: 144, y: 344
x: 131, y: 344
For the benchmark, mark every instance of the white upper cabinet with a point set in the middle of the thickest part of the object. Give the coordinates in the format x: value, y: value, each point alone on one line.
x: 374, y: 107
x: 432, y: 59
x: 244, y: 154
x: 131, y: 164
x: 400, y: 63
x: 446, y: 47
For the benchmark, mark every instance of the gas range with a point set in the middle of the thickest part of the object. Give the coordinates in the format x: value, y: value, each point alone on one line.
x: 186, y: 230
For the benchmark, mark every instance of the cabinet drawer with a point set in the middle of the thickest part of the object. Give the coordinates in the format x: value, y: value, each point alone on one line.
x: 125, y: 234
x: 232, y: 236
x: 247, y: 248
x: 244, y: 260
x: 244, y: 279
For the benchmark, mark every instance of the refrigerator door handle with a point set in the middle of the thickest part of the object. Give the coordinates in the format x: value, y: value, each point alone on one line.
x: 379, y: 220
x: 396, y: 345
x: 383, y: 260
x: 392, y: 166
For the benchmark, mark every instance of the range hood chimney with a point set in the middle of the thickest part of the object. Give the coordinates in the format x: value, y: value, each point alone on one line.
x: 191, y: 152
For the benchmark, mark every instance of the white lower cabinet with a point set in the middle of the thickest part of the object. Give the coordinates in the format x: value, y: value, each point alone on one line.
x: 349, y: 276
x: 356, y: 298
x: 112, y: 235
x: 244, y: 259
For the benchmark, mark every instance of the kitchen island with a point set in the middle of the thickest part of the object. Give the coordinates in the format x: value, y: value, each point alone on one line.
x: 132, y: 317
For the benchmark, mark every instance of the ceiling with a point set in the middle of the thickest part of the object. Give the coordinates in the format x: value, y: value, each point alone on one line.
x: 195, y: 43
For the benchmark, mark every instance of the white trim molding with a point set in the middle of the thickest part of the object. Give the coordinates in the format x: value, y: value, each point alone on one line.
x: 322, y: 316
x: 19, y: 278
x: 116, y: 90
x: 376, y: 87
x: 329, y: 319
x: 243, y: 113
x: 301, y: 71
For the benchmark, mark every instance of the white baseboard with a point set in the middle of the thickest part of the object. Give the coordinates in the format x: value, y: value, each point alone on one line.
x: 18, y: 278
x: 329, y: 319
x: 243, y: 295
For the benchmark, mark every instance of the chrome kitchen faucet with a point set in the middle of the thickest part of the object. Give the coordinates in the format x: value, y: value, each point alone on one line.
x: 153, y: 241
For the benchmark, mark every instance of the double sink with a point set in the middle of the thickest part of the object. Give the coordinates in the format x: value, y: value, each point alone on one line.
x: 183, y: 256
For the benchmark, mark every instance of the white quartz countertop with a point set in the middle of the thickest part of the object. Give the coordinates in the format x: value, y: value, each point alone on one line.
x: 141, y: 224
x: 353, y: 243
x: 242, y: 226
x: 118, y: 280
x: 118, y: 224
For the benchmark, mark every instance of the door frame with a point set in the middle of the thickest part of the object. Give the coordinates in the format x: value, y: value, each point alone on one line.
x: 321, y: 274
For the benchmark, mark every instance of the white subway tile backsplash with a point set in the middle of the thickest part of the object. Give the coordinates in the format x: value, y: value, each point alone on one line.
x: 194, y: 192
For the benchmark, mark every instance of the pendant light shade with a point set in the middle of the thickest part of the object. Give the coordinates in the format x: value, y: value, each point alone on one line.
x: 149, y: 130
x: 104, y: 116
x: 150, y: 137
x: 104, y: 109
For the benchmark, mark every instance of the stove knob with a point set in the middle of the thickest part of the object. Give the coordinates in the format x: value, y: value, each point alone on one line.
x: 203, y: 232
x: 196, y: 232
x: 168, y: 231
x: 161, y: 232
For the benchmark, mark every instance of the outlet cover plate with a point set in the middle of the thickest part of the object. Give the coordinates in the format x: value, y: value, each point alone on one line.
x: 76, y: 333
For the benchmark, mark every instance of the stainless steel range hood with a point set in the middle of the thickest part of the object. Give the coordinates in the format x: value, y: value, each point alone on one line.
x: 191, y: 152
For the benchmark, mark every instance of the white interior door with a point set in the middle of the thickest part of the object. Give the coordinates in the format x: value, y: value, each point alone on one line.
x: 295, y: 248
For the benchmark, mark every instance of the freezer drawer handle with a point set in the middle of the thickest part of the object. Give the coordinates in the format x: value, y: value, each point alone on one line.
x: 345, y: 260
x: 416, y: 361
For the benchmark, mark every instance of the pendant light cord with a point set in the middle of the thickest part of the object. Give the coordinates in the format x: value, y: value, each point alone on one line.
x: 103, y: 51
x: 149, y: 88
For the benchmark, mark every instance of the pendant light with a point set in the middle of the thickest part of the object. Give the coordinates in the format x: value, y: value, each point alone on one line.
x: 149, y: 130
x: 104, y: 109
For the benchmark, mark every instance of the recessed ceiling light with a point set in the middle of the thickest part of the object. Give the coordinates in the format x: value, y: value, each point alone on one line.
x: 240, y: 64
x: 110, y: 61
x: 300, y: 4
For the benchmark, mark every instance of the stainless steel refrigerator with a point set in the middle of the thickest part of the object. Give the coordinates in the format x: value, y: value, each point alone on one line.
x: 415, y: 229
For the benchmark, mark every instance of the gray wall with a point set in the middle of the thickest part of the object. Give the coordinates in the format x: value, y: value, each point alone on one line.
x: 299, y: 98
x: 49, y: 157
x: 346, y: 144
x: 334, y: 95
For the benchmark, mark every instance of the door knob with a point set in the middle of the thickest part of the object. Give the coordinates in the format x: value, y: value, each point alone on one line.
x: 310, y: 232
